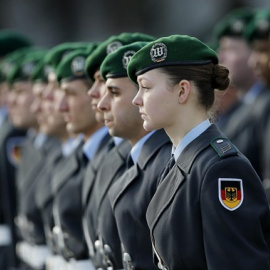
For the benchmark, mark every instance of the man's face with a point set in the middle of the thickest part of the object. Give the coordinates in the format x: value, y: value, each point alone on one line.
x: 260, y: 59
x: 3, y: 94
x: 54, y: 119
x: 234, y: 54
x: 19, y: 100
x: 37, y: 106
x: 76, y: 107
x: 120, y: 116
x: 96, y: 92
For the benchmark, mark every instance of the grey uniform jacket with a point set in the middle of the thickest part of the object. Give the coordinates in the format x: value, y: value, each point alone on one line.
x: 69, y: 190
x: 99, y: 216
x: 211, y: 211
x: 130, y: 196
x: 8, y: 204
x: 33, y: 231
x: 67, y: 206
x: 44, y: 195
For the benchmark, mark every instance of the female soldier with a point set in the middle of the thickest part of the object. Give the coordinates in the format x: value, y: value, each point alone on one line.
x: 210, y: 211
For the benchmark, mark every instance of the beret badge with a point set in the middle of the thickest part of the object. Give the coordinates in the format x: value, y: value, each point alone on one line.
x: 28, y: 68
x: 158, y: 52
x: 47, y: 70
x: 77, y: 65
x: 238, y: 26
x: 263, y: 25
x: 113, y: 46
x: 127, y: 57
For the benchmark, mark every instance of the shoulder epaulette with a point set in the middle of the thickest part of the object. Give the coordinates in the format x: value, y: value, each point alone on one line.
x: 224, y: 147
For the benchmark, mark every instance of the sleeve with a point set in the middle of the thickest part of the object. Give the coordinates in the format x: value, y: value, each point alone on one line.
x: 235, y: 217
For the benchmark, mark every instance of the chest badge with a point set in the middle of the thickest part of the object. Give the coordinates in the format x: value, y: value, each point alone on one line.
x: 230, y: 192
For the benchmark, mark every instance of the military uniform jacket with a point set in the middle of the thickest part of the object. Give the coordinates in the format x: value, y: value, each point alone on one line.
x: 130, y: 196
x: 68, y: 189
x: 99, y: 215
x: 67, y: 204
x: 266, y: 172
x: 29, y: 209
x: 246, y: 129
x: 44, y: 195
x: 211, y: 211
x: 8, y: 166
x: 105, y: 145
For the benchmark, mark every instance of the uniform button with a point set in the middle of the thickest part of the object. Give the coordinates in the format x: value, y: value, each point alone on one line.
x: 126, y: 257
x: 97, y: 244
x: 107, y: 249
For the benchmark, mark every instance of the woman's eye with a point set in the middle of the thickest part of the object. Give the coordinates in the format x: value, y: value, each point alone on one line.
x: 144, y: 87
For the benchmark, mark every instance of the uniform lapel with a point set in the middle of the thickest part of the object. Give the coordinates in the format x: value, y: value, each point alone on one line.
x: 173, y: 181
x: 121, y: 184
x: 92, y: 167
x: 150, y: 147
x: 68, y: 168
x: 37, y: 159
x: 44, y: 190
x: 36, y: 162
x: 118, y: 155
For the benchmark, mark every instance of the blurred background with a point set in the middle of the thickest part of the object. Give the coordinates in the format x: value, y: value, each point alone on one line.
x: 50, y: 22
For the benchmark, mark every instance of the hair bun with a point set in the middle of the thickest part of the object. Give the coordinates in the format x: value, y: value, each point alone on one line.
x: 220, y: 79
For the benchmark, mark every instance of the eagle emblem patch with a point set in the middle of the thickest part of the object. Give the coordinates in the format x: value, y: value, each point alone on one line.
x: 230, y: 192
x: 14, y: 150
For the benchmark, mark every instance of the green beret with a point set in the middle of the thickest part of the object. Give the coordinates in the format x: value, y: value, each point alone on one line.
x: 57, y: 53
x: 115, y: 63
x: 234, y: 23
x: 14, y: 58
x: 259, y: 27
x: 24, y: 69
x: 11, y: 41
x: 72, y: 67
x: 38, y: 74
x: 175, y: 50
x: 94, y: 61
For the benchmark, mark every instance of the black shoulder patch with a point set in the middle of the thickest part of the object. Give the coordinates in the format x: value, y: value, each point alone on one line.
x: 224, y: 147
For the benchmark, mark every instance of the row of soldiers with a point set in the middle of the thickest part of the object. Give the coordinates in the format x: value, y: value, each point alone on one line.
x: 78, y: 169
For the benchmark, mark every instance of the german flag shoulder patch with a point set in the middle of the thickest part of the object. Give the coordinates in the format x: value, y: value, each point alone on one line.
x: 230, y: 192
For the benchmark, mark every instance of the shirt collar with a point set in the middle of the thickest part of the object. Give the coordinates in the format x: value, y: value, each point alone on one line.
x: 189, y: 137
x: 136, y: 149
x: 3, y: 114
x: 69, y: 145
x: 117, y: 140
x: 40, y: 140
x: 3, y: 111
x: 91, y: 145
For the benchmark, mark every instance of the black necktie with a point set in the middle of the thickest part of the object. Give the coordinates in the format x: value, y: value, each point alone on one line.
x: 129, y: 162
x: 168, y: 167
x: 110, y: 145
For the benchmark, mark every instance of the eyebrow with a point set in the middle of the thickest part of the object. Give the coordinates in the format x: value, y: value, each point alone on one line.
x: 113, y: 87
x: 68, y: 90
x: 143, y: 79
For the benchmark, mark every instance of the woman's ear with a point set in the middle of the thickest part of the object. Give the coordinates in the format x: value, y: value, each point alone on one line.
x: 184, y: 90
